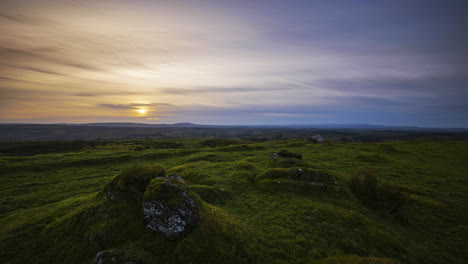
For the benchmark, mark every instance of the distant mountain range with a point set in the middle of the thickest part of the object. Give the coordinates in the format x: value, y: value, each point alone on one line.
x: 322, y: 126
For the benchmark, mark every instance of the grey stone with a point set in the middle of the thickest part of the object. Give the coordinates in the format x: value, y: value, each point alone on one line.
x: 168, y: 208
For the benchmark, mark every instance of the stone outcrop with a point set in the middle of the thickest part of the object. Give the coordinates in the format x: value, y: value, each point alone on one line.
x: 168, y: 207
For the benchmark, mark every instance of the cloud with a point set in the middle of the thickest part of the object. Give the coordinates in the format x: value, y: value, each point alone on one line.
x: 22, y: 19
x: 16, y: 80
x: 100, y: 94
x: 133, y: 106
x: 181, y: 91
x: 38, y: 70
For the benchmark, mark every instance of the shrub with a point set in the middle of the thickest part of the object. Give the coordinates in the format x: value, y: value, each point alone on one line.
x: 381, y: 196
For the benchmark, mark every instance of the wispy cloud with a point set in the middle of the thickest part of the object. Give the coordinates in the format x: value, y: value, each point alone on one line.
x: 181, y: 91
x: 235, y: 62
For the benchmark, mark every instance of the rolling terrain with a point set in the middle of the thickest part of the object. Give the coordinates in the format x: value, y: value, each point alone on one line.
x: 253, y: 208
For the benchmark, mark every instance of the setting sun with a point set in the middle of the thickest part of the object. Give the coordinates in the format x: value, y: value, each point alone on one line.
x: 142, y: 111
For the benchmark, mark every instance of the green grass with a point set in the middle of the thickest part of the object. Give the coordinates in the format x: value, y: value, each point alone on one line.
x: 51, y: 210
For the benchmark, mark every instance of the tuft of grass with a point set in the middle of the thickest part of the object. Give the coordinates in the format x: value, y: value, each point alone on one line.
x: 381, y: 196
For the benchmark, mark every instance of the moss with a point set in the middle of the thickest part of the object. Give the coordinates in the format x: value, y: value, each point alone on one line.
x: 244, y: 165
x: 387, y: 148
x: 191, y: 172
x: 292, y: 186
x: 165, y: 189
x: 219, y: 142
x: 132, y: 181
x: 303, y: 174
x: 357, y: 260
x: 287, y: 163
x: 242, y: 147
x: 49, y: 213
x: 203, y: 156
x: 211, y: 194
x: 371, y: 158
x: 219, y: 238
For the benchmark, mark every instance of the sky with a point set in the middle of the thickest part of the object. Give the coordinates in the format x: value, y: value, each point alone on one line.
x: 246, y: 62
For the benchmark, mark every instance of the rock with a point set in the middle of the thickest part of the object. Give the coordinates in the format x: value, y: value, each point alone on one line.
x: 168, y: 207
x: 116, y: 256
x: 316, y: 138
x: 131, y: 182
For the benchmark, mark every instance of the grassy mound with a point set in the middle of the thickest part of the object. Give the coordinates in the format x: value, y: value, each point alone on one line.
x: 211, y: 194
x: 132, y: 181
x: 191, y: 172
x: 115, y: 229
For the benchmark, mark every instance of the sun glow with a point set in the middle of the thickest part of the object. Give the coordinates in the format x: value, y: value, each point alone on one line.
x: 142, y: 111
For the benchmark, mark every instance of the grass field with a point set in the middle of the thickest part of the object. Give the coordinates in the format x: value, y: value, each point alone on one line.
x: 47, y: 201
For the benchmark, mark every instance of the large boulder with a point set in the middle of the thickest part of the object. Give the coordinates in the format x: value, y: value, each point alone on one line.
x: 168, y: 207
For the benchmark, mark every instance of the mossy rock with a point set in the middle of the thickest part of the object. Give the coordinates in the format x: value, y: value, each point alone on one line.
x: 131, y: 182
x: 168, y: 208
x: 301, y: 174
x: 211, y: 194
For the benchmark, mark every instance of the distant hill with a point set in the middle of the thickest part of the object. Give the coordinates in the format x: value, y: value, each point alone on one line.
x: 137, y: 125
x: 353, y: 133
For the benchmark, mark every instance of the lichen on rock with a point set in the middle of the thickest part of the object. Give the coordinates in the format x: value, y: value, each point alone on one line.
x: 168, y: 208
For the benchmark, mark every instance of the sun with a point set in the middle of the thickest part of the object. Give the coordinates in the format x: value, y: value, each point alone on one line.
x: 142, y: 111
